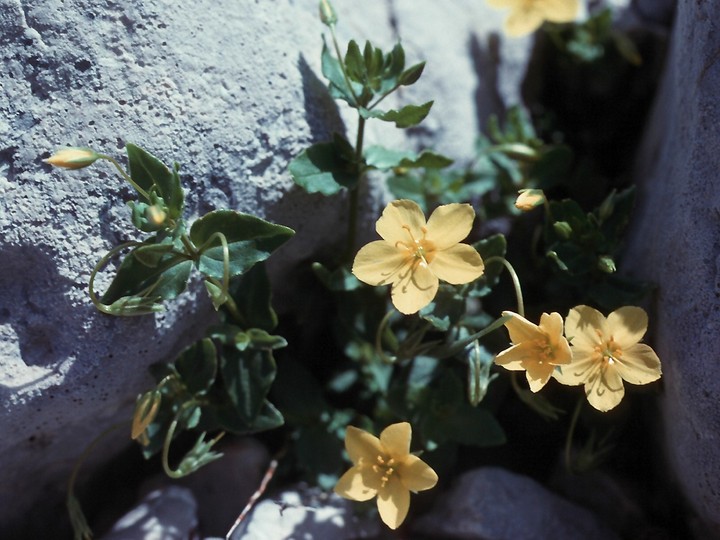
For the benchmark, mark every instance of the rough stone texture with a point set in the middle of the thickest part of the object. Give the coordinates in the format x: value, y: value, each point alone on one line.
x: 305, y: 514
x: 675, y: 243
x: 495, y: 504
x: 231, y: 90
x: 166, y: 514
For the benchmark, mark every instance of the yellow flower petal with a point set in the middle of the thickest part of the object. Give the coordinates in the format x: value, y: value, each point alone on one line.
x: 378, y: 263
x: 627, y: 325
x: 583, y: 364
x: 396, y: 439
x: 605, y: 390
x: 393, y: 503
x: 361, y: 444
x: 399, y: 214
x: 582, y: 326
x: 522, y: 22
x: 538, y: 374
x: 559, y: 10
x: 415, y: 290
x: 416, y: 475
x: 458, y: 264
x: 352, y: 486
x: 639, y: 365
x: 449, y: 224
x: 514, y: 358
x: 520, y: 329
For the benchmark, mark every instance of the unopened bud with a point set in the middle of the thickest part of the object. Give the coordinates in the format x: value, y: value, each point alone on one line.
x: 327, y: 13
x: 146, y: 409
x: 606, y: 264
x: 156, y: 215
x: 529, y: 199
x: 607, y: 207
x: 72, y: 158
x: 563, y: 229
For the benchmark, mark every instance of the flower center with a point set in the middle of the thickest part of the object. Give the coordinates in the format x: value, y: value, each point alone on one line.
x: 385, y: 468
x: 544, y: 350
x: 421, y: 250
x: 608, y: 351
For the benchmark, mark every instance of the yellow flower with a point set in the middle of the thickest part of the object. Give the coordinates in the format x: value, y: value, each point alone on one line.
x: 536, y: 349
x: 413, y: 254
x: 384, y: 468
x: 72, y: 158
x: 526, y: 16
x: 606, y: 351
x: 529, y: 199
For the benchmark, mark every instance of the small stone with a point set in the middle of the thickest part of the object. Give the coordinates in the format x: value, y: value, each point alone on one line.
x: 305, y: 513
x: 495, y: 504
x: 164, y: 514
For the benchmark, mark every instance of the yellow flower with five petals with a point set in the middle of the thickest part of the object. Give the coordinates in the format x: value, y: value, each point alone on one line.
x: 607, y: 351
x: 384, y: 467
x: 536, y: 349
x: 526, y: 16
x: 413, y: 254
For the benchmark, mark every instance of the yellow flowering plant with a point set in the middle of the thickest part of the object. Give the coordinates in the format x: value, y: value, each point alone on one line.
x: 384, y: 468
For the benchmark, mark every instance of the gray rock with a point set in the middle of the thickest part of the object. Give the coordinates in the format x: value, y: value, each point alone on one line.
x: 230, y: 90
x: 495, y: 504
x: 674, y: 243
x: 167, y: 514
x: 305, y: 514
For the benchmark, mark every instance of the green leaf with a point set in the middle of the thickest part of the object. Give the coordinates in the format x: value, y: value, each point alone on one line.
x: 493, y: 246
x: 151, y: 254
x: 408, y: 116
x: 382, y: 158
x: 218, y: 297
x: 339, y: 280
x: 261, y: 340
x: 248, y: 376
x: 332, y: 70
x: 252, y: 296
x: 411, y: 74
x: 446, y: 308
x: 325, y: 168
x: 164, y: 281
x: 197, y: 366
x: 249, y: 240
x: 355, y: 63
x: 149, y: 172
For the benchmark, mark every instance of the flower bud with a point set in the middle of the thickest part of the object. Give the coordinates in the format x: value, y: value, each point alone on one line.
x: 327, y: 13
x: 146, y: 409
x: 72, y: 158
x: 606, y: 264
x: 563, y: 229
x: 155, y: 215
x: 529, y: 199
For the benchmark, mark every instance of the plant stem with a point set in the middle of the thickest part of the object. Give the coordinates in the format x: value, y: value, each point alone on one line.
x: 515, y: 280
x: 126, y: 176
x: 354, y: 198
x: 571, y: 433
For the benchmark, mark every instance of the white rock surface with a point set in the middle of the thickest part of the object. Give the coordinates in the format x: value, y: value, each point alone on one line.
x: 231, y: 90
x: 674, y: 242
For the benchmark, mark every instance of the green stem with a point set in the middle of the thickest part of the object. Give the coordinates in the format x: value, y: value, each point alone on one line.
x: 168, y: 440
x: 571, y: 433
x: 378, y: 338
x: 125, y: 175
x: 342, y: 65
x: 189, y: 246
x: 99, y: 266
x: 76, y: 514
x: 515, y: 280
x: 354, y: 198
